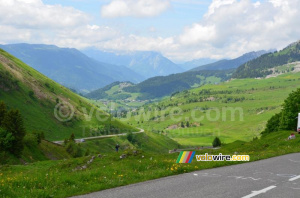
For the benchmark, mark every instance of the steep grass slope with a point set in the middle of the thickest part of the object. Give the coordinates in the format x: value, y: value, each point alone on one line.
x: 37, y: 97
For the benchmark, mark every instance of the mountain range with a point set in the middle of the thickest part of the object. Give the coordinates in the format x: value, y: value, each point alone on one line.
x: 233, y: 63
x: 146, y: 63
x: 71, y: 67
x: 196, y: 63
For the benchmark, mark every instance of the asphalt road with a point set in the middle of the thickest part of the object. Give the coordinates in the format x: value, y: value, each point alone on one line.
x: 98, y: 137
x: 277, y: 177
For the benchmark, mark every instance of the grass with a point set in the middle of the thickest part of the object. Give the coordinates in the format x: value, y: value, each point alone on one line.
x: 258, y: 100
x: 58, y: 178
x: 36, y: 97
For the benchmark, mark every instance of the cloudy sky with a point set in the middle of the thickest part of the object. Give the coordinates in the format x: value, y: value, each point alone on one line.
x: 181, y: 30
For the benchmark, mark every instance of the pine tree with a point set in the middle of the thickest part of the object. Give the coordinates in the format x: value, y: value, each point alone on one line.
x: 182, y: 125
x: 216, y: 142
x: 13, y: 123
x: 187, y: 124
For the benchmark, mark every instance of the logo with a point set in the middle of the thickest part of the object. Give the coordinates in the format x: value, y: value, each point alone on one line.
x: 185, y: 157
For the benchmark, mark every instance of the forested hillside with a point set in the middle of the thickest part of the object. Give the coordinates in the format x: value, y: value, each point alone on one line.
x: 161, y: 86
x: 261, y: 66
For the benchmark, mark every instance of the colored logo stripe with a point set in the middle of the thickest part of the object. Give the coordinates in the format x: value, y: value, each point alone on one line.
x: 185, y: 157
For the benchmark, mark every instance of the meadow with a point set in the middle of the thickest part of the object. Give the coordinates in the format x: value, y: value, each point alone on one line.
x: 235, y: 110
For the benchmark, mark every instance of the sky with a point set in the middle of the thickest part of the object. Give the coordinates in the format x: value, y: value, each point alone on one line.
x: 181, y: 30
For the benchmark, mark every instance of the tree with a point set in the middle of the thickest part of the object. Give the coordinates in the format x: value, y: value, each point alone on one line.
x: 182, y: 125
x: 6, y: 140
x: 291, y: 108
x: 3, y: 112
x: 188, y: 124
x: 273, y: 124
x: 13, y: 123
x: 216, y: 142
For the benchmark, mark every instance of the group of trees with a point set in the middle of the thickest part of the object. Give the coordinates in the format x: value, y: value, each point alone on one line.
x: 12, y: 131
x: 187, y: 124
x: 287, y: 118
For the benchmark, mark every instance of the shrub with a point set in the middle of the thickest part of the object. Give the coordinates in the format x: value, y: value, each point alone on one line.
x: 30, y: 140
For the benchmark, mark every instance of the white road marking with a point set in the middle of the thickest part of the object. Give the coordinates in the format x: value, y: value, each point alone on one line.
x: 242, y: 177
x: 294, y: 161
x: 294, y: 178
x: 254, y: 193
x: 196, y: 174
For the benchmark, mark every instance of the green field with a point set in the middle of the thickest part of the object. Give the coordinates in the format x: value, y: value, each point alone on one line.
x: 253, y: 102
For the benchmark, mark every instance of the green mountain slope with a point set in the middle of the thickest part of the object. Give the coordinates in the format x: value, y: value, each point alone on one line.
x: 161, y: 86
x: 263, y: 65
x: 37, y: 97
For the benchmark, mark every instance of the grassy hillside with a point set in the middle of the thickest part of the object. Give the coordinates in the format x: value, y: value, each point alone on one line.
x: 37, y: 97
x: 62, y: 179
x: 262, y: 66
x: 253, y: 102
x: 34, y: 152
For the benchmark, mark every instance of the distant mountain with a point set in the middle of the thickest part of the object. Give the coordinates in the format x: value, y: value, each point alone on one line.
x: 231, y: 64
x: 160, y: 86
x: 70, y: 67
x: 145, y: 63
x: 260, y: 67
x: 196, y: 63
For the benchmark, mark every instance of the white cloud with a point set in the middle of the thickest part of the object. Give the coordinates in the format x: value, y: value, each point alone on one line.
x: 135, y: 8
x: 231, y: 28
x: 35, y: 14
x: 35, y: 22
x: 228, y: 29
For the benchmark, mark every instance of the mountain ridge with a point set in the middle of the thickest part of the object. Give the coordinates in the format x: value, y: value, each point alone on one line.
x: 232, y: 63
x: 145, y: 63
x: 70, y: 67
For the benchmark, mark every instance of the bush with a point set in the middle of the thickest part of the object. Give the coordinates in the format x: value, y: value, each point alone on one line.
x: 74, y: 149
x: 130, y: 137
x: 30, y: 140
x: 216, y: 142
x: 31, y: 95
x: 6, y: 140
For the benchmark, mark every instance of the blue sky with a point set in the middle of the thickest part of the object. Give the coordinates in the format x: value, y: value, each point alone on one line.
x: 179, y: 15
x: 181, y: 30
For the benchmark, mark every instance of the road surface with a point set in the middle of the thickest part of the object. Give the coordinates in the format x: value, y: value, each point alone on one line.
x: 99, y: 137
x: 277, y: 177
